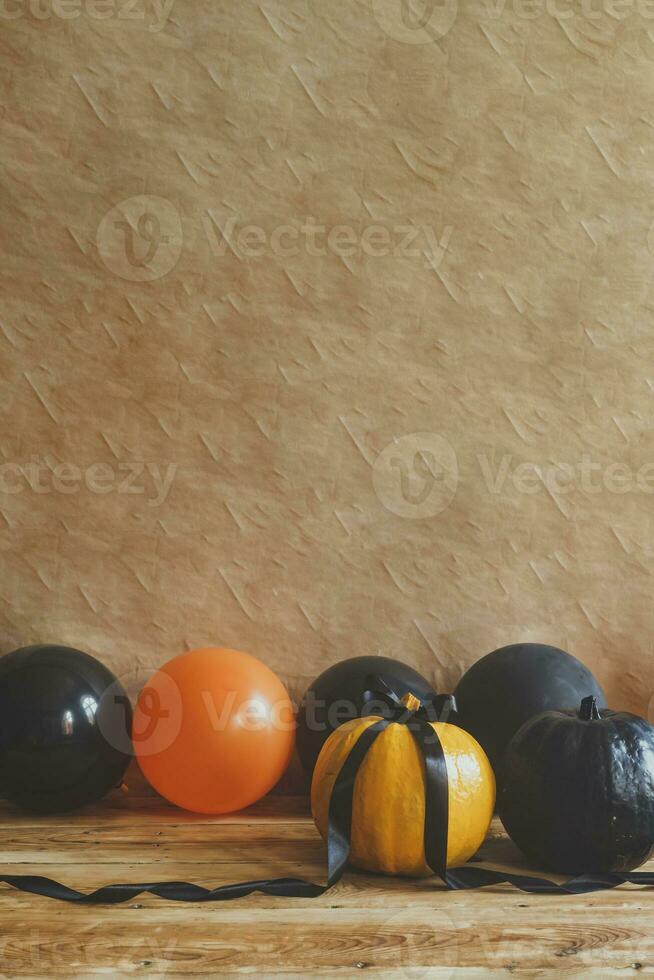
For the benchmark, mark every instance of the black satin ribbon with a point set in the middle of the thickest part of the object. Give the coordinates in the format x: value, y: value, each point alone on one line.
x: 418, y: 721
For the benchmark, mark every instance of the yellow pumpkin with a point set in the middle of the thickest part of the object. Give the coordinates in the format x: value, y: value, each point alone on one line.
x: 388, y: 806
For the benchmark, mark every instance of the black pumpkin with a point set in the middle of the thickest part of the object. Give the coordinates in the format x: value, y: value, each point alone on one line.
x: 577, y: 791
x: 336, y: 696
x: 505, y: 688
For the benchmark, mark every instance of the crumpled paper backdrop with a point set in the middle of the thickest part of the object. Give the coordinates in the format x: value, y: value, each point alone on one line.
x: 423, y: 449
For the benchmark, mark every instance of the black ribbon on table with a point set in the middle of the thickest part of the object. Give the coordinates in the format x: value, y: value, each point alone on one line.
x: 418, y: 720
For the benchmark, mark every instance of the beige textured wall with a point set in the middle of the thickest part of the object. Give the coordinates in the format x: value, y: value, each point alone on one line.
x: 344, y: 431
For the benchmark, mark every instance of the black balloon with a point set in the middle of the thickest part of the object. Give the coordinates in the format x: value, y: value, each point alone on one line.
x: 65, y: 724
x: 336, y: 696
x: 577, y: 790
x: 504, y: 689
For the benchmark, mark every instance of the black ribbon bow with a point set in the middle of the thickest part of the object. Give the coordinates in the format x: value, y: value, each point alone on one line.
x: 394, y: 712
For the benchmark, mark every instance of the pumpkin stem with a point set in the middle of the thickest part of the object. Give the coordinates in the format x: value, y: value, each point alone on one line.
x: 588, y: 710
x: 411, y: 702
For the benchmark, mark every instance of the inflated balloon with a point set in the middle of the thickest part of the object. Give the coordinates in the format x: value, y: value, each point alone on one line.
x: 578, y: 790
x: 64, y: 729
x: 336, y: 696
x: 504, y: 689
x: 213, y: 730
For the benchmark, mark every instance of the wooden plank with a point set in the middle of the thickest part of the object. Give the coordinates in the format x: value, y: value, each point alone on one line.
x: 202, y: 941
x: 119, y: 806
x: 368, y: 924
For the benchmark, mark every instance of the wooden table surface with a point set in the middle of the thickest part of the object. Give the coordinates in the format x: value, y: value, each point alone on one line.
x: 367, y: 925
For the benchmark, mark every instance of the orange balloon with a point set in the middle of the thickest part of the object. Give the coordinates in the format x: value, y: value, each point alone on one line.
x: 213, y: 730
